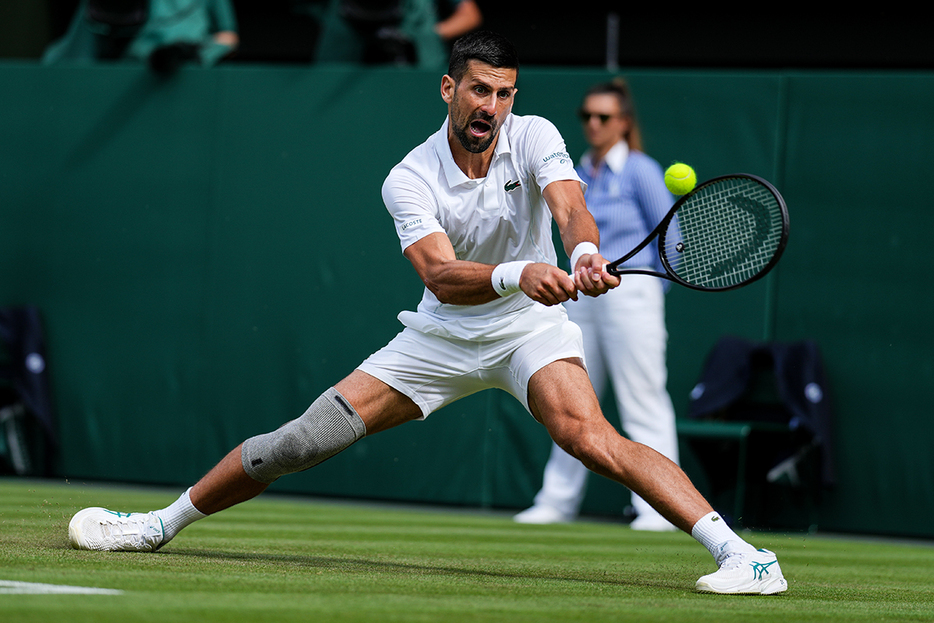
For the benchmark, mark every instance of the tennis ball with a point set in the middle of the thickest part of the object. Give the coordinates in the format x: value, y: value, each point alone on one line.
x: 680, y: 178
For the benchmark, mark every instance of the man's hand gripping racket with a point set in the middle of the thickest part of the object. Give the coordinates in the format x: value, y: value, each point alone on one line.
x: 724, y: 234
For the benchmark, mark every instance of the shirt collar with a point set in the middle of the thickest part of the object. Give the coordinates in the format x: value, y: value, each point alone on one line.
x: 452, y: 172
x: 615, y: 158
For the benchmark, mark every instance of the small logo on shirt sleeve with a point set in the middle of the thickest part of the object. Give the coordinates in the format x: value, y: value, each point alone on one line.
x: 561, y: 156
x: 411, y: 224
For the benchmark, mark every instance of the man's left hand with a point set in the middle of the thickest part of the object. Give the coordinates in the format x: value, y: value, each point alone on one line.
x: 591, y: 278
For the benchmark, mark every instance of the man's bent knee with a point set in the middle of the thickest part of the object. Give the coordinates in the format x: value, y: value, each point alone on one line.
x: 330, y: 425
x: 597, y: 447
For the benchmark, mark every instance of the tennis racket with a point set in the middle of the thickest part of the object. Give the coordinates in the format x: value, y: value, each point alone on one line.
x: 724, y: 234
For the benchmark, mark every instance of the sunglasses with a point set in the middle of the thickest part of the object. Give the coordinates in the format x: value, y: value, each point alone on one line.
x: 586, y: 116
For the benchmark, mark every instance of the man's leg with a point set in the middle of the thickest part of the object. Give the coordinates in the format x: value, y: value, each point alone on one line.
x: 561, y: 397
x: 378, y: 407
x: 225, y: 485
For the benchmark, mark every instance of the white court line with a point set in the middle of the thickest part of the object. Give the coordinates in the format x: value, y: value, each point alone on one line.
x: 30, y: 588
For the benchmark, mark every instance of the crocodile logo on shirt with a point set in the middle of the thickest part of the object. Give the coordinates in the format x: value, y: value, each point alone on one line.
x: 511, y: 186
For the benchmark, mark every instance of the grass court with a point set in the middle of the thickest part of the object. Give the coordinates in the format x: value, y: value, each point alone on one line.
x: 278, y: 559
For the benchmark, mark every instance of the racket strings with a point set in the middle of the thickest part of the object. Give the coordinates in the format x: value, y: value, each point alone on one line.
x: 726, y: 234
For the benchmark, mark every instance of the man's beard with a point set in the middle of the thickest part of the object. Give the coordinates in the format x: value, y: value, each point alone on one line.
x: 471, y: 143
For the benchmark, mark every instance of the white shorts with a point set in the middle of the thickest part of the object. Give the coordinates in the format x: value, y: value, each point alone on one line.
x: 435, y: 371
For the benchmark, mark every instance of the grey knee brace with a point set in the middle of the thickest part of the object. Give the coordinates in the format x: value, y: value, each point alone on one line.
x: 328, y: 426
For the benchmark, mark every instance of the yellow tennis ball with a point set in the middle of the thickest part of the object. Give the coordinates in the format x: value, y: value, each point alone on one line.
x: 680, y: 178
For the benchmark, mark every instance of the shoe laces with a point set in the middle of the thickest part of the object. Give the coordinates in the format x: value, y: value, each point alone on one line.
x: 731, y: 556
x: 733, y: 560
x: 131, y: 525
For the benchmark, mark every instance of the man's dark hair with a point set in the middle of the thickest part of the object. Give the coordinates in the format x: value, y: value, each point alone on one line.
x: 484, y: 46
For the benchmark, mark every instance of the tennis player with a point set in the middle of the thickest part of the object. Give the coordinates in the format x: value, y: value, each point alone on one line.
x: 473, y: 207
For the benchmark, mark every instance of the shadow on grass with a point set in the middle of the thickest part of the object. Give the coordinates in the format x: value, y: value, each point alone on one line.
x: 660, y: 579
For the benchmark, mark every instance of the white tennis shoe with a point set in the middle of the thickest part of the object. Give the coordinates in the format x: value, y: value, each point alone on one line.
x: 109, y: 531
x: 745, y: 573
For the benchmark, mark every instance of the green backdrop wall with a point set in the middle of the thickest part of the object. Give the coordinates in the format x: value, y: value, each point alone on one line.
x: 210, y: 252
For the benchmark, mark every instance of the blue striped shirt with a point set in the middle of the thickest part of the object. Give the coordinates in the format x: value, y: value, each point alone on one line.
x: 627, y: 196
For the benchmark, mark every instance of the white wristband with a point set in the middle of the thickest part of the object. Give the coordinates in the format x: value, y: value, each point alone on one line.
x: 583, y: 248
x: 506, y: 277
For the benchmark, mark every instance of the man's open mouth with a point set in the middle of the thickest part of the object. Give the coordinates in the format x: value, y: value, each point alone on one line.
x: 478, y: 127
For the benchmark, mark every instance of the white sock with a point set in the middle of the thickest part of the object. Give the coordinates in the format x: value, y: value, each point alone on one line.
x: 712, y: 532
x: 177, y: 515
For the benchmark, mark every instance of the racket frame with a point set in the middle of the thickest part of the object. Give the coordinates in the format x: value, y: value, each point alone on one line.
x: 614, y: 267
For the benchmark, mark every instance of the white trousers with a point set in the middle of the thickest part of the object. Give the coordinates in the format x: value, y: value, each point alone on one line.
x: 624, y: 343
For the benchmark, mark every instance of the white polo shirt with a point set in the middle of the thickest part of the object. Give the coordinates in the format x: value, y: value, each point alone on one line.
x: 500, y: 218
